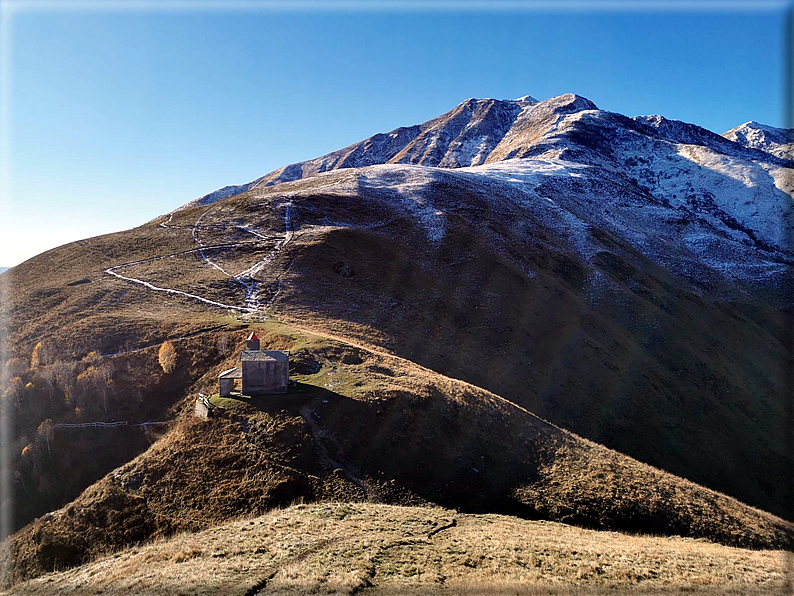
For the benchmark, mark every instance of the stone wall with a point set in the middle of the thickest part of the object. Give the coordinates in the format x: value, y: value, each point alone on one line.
x: 203, y: 408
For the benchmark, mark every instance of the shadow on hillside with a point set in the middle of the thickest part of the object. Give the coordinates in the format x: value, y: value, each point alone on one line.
x: 426, y: 447
x: 462, y: 453
x: 642, y: 348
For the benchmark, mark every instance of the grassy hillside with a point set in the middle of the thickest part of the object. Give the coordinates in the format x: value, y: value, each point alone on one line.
x: 365, y: 548
x: 431, y: 368
x: 363, y: 425
x: 689, y: 378
x: 644, y: 364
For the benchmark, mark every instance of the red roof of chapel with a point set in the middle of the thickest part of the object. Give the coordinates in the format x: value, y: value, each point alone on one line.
x: 252, y: 336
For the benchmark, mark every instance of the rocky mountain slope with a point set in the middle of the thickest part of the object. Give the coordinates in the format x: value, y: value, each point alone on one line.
x: 775, y: 141
x: 680, y: 164
x: 627, y: 279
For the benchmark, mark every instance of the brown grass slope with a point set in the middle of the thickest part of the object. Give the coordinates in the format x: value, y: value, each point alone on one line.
x: 64, y: 299
x: 372, y: 427
x: 646, y: 362
x: 64, y: 296
x: 363, y: 548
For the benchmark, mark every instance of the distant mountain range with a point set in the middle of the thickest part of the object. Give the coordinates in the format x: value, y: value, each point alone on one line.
x: 2, y: 269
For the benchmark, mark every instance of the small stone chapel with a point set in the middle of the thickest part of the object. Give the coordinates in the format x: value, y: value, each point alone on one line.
x: 261, y: 371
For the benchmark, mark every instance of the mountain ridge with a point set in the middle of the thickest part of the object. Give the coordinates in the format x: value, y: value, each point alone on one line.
x: 776, y: 141
x: 572, y: 128
x: 383, y: 147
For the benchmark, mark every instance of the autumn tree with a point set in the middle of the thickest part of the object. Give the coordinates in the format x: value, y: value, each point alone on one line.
x: 87, y: 386
x: 93, y: 382
x: 40, y: 356
x: 92, y: 359
x: 65, y: 377
x: 13, y: 391
x: 105, y: 371
x: 46, y: 432
x: 167, y: 356
x: 64, y: 373
x: 222, y: 344
x: 48, y: 374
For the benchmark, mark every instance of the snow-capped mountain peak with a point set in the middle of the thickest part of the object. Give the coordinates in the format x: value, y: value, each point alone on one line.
x: 775, y: 141
x: 527, y: 98
x: 737, y: 185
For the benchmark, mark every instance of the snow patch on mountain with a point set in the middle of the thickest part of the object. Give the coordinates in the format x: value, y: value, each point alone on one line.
x: 410, y: 185
x: 704, y: 206
x: 528, y: 173
x: 775, y: 141
x: 746, y: 200
x: 221, y: 193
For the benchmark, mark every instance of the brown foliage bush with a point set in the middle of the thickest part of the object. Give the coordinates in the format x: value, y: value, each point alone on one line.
x: 40, y: 356
x: 167, y: 356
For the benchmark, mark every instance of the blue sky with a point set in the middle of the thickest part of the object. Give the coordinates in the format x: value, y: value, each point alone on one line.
x: 116, y: 116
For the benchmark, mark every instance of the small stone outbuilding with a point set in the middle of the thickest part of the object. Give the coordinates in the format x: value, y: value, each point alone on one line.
x: 264, y: 371
x: 261, y: 371
x: 226, y: 380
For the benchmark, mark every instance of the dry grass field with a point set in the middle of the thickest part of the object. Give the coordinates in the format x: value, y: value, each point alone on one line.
x: 365, y: 548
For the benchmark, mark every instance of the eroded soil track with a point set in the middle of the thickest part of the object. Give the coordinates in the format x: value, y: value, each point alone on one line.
x: 252, y: 302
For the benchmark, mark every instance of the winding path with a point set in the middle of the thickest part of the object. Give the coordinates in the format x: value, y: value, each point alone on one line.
x: 201, y: 245
x: 244, y: 278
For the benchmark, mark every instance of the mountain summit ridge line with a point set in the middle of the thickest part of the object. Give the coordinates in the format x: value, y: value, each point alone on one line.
x: 415, y: 144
